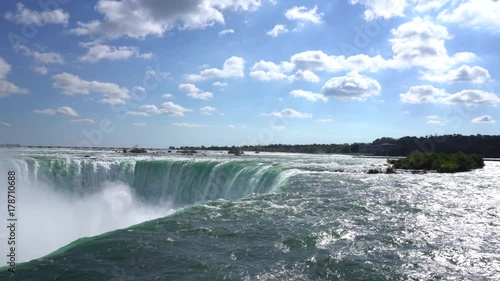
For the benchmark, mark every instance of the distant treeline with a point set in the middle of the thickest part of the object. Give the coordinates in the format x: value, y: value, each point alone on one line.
x: 485, y: 145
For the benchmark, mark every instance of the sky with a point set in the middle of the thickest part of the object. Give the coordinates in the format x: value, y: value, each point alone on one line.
x: 159, y: 73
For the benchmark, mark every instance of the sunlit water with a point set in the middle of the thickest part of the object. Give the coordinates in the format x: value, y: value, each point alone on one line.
x: 260, y: 217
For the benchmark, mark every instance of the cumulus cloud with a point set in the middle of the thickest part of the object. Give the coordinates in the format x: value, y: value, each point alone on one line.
x: 65, y: 110
x: 472, y: 98
x: 483, y: 119
x: 88, y: 121
x: 267, y: 71
x: 138, y: 113
x: 423, y: 94
x: 220, y: 84
x: 317, y: 60
x: 385, y: 9
x: 188, y: 125
x: 305, y: 75
x: 195, y: 92
x: 277, y: 30
x: 303, y: 14
x: 233, y: 67
x: 4, y: 124
x: 310, y: 96
x: 42, y: 57
x: 99, y: 52
x: 112, y: 101
x: 71, y: 84
x: 29, y: 17
x: 325, y: 120
x: 168, y: 108
x: 421, y: 43
x: 464, y: 73
x: 167, y: 96
x: 479, y: 14
x: 351, y: 87
x: 138, y: 19
x: 225, y: 32
x: 430, y: 94
x: 208, y: 110
x: 188, y: 87
x: 40, y: 69
x: 8, y: 88
x: 435, y: 120
x: 422, y: 6
x: 140, y: 124
x: 288, y: 113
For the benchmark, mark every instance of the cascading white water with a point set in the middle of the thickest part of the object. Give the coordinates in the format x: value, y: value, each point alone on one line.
x: 62, y: 199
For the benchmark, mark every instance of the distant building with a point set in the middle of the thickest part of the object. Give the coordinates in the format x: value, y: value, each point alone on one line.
x: 378, y: 149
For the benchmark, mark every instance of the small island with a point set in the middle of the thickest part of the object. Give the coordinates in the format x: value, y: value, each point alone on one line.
x: 135, y: 149
x: 440, y: 162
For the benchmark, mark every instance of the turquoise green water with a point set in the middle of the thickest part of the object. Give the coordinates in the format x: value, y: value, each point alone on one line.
x: 262, y: 217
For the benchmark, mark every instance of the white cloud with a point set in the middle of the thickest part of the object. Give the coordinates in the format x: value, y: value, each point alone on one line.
x: 138, y: 113
x: 29, y: 17
x: 423, y: 94
x: 208, y: 110
x: 233, y: 67
x: 112, y: 101
x: 310, y: 96
x: 435, y: 120
x: 317, y: 60
x: 277, y: 30
x: 188, y: 87
x: 65, y: 110
x: 173, y: 109
x: 483, y: 119
x: 306, y: 75
x: 267, y: 71
x: 40, y: 69
x: 326, y: 120
x: 472, y: 98
x: 74, y: 85
x: 352, y: 86
x: 7, y: 88
x: 422, y: 6
x: 288, y: 113
x: 385, y: 9
x: 167, y: 96
x: 201, y: 96
x: 231, y: 126
x: 99, y: 52
x: 42, y: 58
x: 138, y: 19
x: 140, y: 124
x: 479, y: 14
x: 225, y: 32
x: 430, y: 94
x: 421, y: 43
x: 195, y: 92
x: 303, y: 14
x: 188, y: 125
x: 4, y: 124
x: 220, y: 84
x: 464, y: 73
x: 88, y: 121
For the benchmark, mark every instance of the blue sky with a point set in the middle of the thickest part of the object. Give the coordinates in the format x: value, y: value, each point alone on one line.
x: 219, y: 72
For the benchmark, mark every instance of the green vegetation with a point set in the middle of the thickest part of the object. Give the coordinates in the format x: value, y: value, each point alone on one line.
x: 135, y: 149
x: 440, y: 162
x: 488, y: 146
x: 237, y: 151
